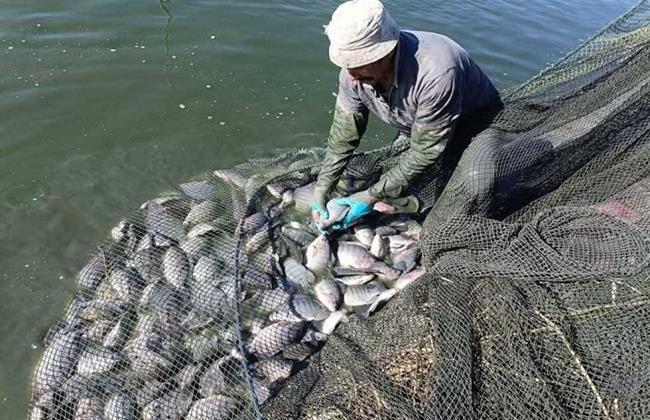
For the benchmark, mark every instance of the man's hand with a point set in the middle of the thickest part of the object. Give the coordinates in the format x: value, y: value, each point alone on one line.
x: 319, y: 209
x: 360, y: 204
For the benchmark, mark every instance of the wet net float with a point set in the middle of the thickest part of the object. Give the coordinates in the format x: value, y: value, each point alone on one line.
x: 522, y: 293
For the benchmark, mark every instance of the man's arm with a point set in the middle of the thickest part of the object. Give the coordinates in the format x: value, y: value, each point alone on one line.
x: 348, y: 125
x: 345, y: 135
x: 434, y: 126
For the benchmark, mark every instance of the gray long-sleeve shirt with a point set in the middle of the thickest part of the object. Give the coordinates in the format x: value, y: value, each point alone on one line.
x: 435, y: 82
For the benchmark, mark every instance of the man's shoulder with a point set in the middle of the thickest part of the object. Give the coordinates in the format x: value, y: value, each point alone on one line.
x: 428, y: 37
x: 434, y: 53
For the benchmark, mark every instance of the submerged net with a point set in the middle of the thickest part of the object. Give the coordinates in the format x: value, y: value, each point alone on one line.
x: 534, y: 304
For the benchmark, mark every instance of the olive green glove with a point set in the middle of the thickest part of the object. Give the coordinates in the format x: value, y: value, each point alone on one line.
x: 426, y: 147
x: 345, y: 135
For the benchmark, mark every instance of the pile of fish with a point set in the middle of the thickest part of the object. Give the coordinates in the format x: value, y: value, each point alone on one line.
x: 188, y: 310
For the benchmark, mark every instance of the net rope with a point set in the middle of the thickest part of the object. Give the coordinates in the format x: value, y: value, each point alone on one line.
x: 535, y: 302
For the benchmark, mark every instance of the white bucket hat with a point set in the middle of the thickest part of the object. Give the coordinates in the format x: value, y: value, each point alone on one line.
x: 360, y: 32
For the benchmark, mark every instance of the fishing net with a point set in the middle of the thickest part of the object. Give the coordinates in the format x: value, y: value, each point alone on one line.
x: 534, y: 303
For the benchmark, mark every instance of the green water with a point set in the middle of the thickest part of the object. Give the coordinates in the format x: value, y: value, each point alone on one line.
x: 105, y: 103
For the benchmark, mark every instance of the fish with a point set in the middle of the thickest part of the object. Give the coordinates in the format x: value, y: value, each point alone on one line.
x: 313, y: 337
x: 232, y: 177
x: 88, y: 409
x: 148, y: 363
x: 287, y: 248
x: 97, y: 360
x: 214, y: 407
x: 254, y: 223
x: 329, y: 294
x: 271, y: 210
x: 299, y: 351
x: 277, y: 188
x: 399, y: 243
x: 93, y: 273
x: 331, y: 322
x: 176, y: 267
x: 300, y: 198
x: 172, y: 405
x: 383, y: 297
x: 207, y: 268
x: 299, y: 236
x: 121, y: 406
x: 364, y: 294
x: 255, y: 277
x: 300, y: 307
x: 45, y: 407
x: 127, y: 284
x: 257, y: 241
x: 385, y: 231
x: 214, y: 379
x: 339, y: 271
x: 58, y: 361
x: 195, y: 248
x: 148, y: 263
x: 355, y: 280
x: 119, y: 333
x: 352, y: 254
x: 336, y: 213
x: 204, y: 228
x: 161, y: 241
x: 159, y: 220
x: 408, y: 278
x: 275, y: 338
x: 211, y: 297
x: 408, y: 228
x: 154, y: 294
x: 103, y: 309
x: 203, y: 212
x: 98, y: 330
x: 364, y: 235
x: 261, y: 391
x: 145, y: 242
x: 199, y: 190
x: 118, y: 233
x: 95, y: 385
x: 378, y: 248
x: 297, y: 274
x: 187, y: 376
x: 263, y: 302
x: 319, y: 254
x: 406, y: 260
x: 147, y: 324
x: 272, y: 371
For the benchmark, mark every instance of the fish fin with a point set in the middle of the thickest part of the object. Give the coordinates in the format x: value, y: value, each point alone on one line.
x: 382, y: 297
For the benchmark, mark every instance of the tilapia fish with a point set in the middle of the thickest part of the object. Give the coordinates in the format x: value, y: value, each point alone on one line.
x: 354, y: 255
x: 336, y: 214
x: 318, y: 254
x: 276, y: 337
x: 298, y: 308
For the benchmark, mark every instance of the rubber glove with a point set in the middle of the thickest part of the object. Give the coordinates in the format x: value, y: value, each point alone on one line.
x: 361, y: 204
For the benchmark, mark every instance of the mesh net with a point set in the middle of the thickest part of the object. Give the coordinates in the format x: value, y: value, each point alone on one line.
x: 534, y: 303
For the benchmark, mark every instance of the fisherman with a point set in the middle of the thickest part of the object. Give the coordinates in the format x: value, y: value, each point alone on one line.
x: 422, y: 83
